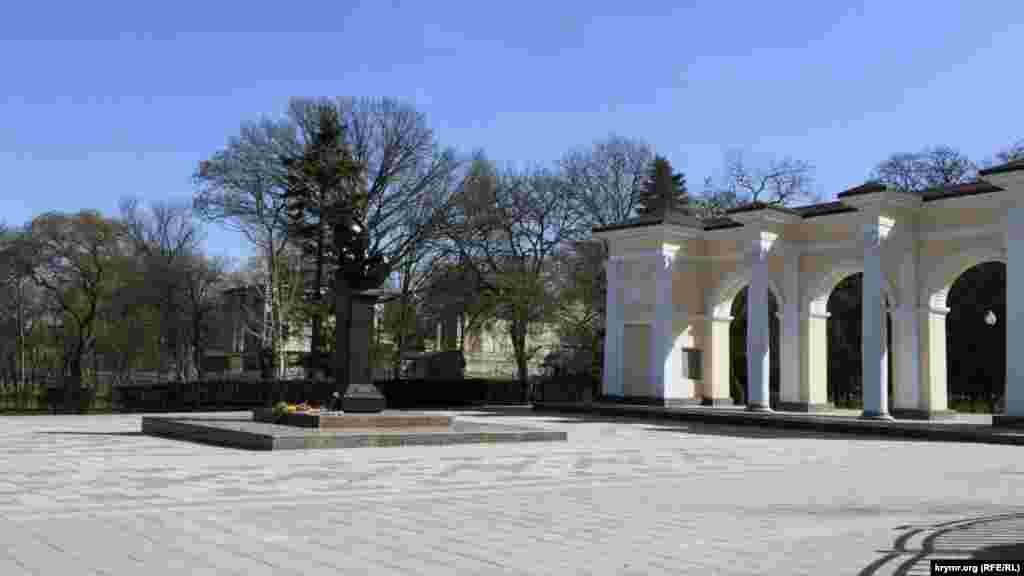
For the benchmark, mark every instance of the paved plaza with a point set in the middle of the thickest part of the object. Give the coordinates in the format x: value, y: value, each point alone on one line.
x: 91, y: 495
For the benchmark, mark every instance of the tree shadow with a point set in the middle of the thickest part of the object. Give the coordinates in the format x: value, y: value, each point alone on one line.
x: 89, y: 433
x: 980, y: 538
x: 774, y: 429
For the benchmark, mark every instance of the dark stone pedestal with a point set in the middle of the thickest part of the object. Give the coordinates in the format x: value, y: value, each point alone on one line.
x: 805, y: 407
x: 363, y: 398
x: 912, y: 414
x: 1004, y: 421
x: 882, y: 416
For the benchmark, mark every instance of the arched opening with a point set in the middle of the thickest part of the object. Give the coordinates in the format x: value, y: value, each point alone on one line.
x: 976, y: 338
x: 845, y: 337
x: 739, y: 389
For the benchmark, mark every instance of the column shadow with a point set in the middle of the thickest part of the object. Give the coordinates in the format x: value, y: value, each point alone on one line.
x: 996, y: 537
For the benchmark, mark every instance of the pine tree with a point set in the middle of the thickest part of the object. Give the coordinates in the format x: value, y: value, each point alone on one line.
x: 319, y: 181
x: 662, y: 190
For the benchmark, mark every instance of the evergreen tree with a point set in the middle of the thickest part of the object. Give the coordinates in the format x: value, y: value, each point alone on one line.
x: 319, y: 182
x: 662, y: 190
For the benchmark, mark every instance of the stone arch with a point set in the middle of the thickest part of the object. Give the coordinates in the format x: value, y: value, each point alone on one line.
x: 725, y: 292
x: 821, y: 288
x: 934, y: 298
x: 936, y: 288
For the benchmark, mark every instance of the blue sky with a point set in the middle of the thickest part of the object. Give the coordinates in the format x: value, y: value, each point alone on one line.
x: 99, y: 100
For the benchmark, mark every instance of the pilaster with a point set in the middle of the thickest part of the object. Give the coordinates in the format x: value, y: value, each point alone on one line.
x: 789, y: 341
x: 612, y: 372
x: 663, y: 378
x: 1014, y: 311
x: 718, y: 377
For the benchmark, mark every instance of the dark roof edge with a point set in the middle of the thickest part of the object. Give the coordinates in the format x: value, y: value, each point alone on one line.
x: 755, y: 206
x: 1012, y: 166
x: 866, y: 188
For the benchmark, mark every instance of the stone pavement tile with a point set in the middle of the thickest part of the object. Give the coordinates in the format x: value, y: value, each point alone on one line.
x: 532, y: 544
x: 38, y: 556
x: 11, y: 566
x: 306, y: 529
x: 421, y: 533
x: 417, y: 543
x: 85, y: 540
x: 497, y: 526
x: 362, y: 530
x: 157, y: 549
x: 266, y: 546
x: 215, y: 548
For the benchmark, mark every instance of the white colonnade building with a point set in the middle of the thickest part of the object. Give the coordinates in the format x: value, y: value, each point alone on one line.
x: 672, y: 280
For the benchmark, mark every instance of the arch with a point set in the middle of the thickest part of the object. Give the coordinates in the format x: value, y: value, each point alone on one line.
x: 942, y: 277
x: 725, y: 292
x: 821, y: 288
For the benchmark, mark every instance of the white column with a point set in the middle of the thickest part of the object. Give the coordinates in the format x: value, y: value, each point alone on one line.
x: 662, y: 375
x: 906, y: 337
x: 873, y: 354
x: 789, y: 341
x: 612, y: 376
x: 1014, y: 312
x: 758, y: 368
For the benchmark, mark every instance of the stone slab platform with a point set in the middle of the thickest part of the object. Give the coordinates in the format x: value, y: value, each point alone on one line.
x: 333, y: 420
x: 240, y: 431
x: 965, y: 428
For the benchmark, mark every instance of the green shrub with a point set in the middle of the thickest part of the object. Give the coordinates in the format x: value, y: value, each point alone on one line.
x: 279, y: 410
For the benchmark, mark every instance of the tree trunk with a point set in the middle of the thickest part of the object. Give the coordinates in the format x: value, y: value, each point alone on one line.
x: 518, y: 334
x: 315, y: 340
x: 73, y: 380
x: 400, y: 336
x: 197, y: 351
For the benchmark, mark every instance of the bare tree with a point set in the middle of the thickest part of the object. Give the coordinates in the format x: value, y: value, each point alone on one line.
x: 509, y: 226
x: 202, y: 281
x: 929, y: 168
x: 404, y: 201
x: 162, y: 237
x: 242, y: 187
x: 1011, y: 153
x: 605, y: 179
x: 780, y: 182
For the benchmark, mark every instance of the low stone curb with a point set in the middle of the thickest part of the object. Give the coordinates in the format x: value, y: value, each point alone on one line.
x: 239, y: 432
x: 919, y: 430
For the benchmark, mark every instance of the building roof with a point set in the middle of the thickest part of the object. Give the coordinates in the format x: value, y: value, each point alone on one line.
x: 809, y: 211
x: 823, y: 209
x: 755, y: 206
x: 866, y: 188
x: 670, y: 217
x: 1014, y: 166
x: 969, y: 189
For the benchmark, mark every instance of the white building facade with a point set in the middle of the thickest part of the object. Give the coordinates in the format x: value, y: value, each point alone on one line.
x: 672, y: 281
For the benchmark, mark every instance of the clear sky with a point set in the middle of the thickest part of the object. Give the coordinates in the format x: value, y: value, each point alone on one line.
x: 104, y: 99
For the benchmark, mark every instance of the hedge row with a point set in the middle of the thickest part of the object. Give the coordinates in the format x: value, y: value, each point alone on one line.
x: 242, y: 395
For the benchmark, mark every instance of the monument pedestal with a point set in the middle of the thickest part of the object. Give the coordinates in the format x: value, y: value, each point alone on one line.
x: 363, y: 398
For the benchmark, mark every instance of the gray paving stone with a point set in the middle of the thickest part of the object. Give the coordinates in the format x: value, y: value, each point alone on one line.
x: 618, y: 497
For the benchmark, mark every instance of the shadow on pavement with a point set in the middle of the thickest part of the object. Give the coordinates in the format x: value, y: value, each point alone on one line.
x: 997, y: 538
x: 656, y: 423
x: 89, y: 433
